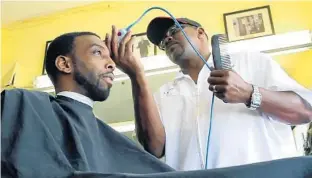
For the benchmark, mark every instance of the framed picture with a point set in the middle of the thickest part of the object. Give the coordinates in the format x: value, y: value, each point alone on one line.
x: 44, y: 72
x: 250, y: 23
x: 143, y: 46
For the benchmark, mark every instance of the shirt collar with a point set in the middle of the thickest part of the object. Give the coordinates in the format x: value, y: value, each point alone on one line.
x: 78, y: 97
x: 210, y: 64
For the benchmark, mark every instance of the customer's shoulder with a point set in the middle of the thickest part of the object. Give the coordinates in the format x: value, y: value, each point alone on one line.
x: 18, y: 92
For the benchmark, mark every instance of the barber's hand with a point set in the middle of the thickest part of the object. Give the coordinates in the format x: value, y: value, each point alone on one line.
x: 228, y: 86
x: 122, y: 53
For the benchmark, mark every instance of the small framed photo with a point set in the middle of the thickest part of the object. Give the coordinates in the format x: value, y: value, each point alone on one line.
x: 143, y: 46
x: 250, y: 23
x: 44, y: 72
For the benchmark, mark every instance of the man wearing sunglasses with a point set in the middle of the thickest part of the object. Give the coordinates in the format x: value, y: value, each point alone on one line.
x: 256, y: 104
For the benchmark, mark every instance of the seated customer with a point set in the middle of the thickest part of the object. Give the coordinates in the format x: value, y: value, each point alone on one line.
x: 45, y: 136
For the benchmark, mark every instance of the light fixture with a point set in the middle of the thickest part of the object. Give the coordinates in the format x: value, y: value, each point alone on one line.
x: 123, y: 127
x: 153, y: 65
x: 273, y: 45
x: 289, y: 51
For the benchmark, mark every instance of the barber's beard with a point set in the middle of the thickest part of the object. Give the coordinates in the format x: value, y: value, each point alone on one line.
x: 189, y: 59
x: 185, y: 57
x: 91, y: 85
x: 176, y: 56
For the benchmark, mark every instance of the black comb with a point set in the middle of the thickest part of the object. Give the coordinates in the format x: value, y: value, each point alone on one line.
x: 221, y: 57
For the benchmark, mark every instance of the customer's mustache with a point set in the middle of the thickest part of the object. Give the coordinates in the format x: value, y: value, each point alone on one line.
x: 108, y: 74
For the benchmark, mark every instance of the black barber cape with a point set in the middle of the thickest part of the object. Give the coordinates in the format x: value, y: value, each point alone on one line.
x: 43, y: 137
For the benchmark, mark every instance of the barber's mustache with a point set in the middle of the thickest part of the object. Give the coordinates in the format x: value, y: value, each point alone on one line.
x: 170, y: 43
x: 108, y: 74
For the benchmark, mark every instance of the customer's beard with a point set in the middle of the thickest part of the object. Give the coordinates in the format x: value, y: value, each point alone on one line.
x: 91, y: 86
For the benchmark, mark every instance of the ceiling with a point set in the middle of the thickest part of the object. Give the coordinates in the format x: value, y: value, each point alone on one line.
x: 12, y: 11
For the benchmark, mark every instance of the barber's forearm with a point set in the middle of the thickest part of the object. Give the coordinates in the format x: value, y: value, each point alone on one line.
x: 287, y: 106
x: 149, y: 128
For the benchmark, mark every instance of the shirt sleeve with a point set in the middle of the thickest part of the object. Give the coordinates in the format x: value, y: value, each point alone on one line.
x: 276, y: 79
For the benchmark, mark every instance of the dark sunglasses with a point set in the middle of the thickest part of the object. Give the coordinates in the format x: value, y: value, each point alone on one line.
x: 170, y: 32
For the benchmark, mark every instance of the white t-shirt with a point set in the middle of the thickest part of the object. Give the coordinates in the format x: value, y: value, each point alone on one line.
x: 238, y: 135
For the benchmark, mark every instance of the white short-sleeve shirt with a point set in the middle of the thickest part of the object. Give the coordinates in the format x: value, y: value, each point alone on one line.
x: 238, y: 135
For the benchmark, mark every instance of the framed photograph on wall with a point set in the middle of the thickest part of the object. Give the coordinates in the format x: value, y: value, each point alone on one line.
x: 143, y: 46
x: 44, y: 72
x: 250, y: 23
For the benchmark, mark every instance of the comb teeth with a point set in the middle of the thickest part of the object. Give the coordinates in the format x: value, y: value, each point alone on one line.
x: 223, y: 39
x: 226, y: 63
x: 225, y: 57
x: 220, y: 53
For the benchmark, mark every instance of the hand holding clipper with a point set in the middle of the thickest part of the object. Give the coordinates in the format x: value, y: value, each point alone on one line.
x: 121, y: 34
x: 121, y: 45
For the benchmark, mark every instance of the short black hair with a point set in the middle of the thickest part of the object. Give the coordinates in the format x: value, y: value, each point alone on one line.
x: 61, y: 45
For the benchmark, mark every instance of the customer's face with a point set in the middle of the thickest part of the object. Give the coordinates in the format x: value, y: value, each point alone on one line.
x: 93, y: 67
